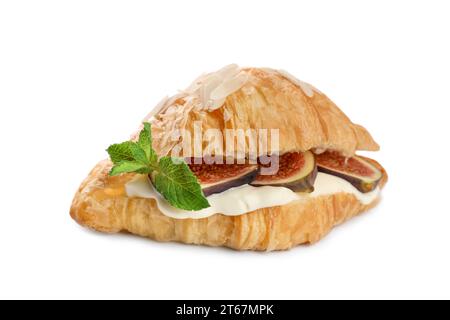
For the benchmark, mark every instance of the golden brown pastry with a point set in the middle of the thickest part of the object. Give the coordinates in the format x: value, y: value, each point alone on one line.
x: 254, y: 98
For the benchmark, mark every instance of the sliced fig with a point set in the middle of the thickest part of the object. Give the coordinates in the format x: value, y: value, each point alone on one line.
x: 360, y: 173
x: 296, y: 171
x: 216, y: 178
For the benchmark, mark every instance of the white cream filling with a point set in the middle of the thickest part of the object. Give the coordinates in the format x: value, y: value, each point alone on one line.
x: 246, y: 198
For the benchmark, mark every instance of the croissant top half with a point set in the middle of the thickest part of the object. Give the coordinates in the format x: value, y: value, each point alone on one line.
x: 254, y: 98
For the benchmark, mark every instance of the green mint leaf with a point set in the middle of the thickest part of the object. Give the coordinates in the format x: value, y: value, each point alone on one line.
x: 129, y: 166
x: 139, y: 154
x: 171, y: 176
x: 145, y: 140
x: 178, y: 185
x: 120, y: 152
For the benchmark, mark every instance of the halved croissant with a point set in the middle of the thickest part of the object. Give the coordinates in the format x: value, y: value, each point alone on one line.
x: 269, y: 99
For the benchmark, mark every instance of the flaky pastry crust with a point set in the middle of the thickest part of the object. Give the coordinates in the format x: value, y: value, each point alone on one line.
x: 101, y: 204
x: 305, y: 119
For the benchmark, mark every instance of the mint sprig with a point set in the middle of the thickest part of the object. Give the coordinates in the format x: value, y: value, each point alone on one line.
x: 171, y: 176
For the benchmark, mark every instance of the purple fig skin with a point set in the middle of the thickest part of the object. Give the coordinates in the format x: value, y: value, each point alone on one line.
x: 359, y: 184
x: 302, y: 184
x: 305, y: 184
x: 237, y: 181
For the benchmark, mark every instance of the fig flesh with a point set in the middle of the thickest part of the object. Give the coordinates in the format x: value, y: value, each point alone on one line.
x: 360, y: 173
x: 296, y: 171
x: 216, y: 178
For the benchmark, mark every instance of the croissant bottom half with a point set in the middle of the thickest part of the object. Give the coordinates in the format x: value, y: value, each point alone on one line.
x: 101, y: 204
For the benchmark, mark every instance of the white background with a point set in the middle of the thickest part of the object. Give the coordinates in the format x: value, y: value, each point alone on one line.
x: 76, y: 76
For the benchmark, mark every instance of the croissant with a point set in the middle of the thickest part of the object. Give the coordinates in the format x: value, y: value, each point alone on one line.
x: 234, y: 98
